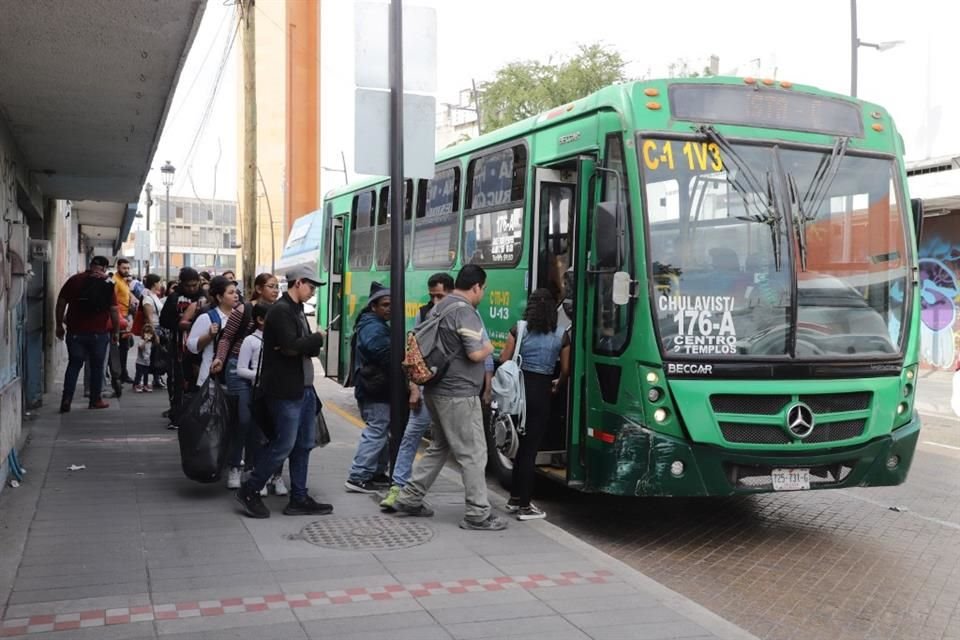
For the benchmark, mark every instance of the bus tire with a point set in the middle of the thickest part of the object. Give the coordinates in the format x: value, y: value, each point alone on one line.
x: 497, y: 463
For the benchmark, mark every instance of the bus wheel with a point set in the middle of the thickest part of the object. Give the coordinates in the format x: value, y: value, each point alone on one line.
x: 498, y: 463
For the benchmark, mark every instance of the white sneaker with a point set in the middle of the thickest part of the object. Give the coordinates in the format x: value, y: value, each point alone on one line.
x: 279, y: 488
x: 233, y: 478
x: 265, y: 492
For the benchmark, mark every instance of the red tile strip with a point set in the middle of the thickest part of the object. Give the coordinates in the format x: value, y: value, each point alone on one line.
x: 212, y: 608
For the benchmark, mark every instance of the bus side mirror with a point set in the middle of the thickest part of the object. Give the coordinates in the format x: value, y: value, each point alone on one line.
x: 621, y: 288
x: 606, y: 236
x: 916, y: 204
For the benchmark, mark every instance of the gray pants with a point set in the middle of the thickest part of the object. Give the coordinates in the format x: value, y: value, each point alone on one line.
x: 457, y: 429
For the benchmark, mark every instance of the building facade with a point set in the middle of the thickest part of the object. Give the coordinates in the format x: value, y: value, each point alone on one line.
x: 288, y: 121
x: 937, y: 182
x: 204, y: 235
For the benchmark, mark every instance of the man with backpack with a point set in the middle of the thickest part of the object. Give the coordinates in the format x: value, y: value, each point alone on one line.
x: 176, y: 318
x: 86, y: 315
x: 453, y: 399
x: 371, y: 356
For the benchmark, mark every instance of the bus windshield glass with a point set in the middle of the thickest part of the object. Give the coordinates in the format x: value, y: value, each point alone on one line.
x: 771, y: 252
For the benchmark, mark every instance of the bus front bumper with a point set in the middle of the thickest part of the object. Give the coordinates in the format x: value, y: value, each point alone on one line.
x: 676, y: 467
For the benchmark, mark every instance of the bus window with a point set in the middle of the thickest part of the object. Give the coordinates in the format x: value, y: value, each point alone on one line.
x: 325, y: 247
x: 383, y: 225
x: 493, y: 223
x: 337, y: 242
x: 612, y: 326
x: 438, y: 208
x: 361, y: 231
x: 556, y: 208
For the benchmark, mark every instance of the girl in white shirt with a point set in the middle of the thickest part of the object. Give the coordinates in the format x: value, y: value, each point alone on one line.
x: 223, y: 298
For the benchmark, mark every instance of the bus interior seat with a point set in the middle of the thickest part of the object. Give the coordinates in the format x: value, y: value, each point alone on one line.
x: 724, y: 259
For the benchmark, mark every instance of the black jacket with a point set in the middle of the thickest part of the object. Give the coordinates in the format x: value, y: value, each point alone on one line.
x: 287, y: 340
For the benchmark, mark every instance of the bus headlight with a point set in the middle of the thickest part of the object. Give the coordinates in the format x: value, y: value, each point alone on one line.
x: 901, y: 408
x: 661, y: 415
x: 654, y: 394
x: 652, y: 377
x: 677, y: 468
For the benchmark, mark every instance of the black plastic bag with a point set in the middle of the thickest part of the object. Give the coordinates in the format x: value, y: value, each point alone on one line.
x: 323, y: 433
x: 205, y: 433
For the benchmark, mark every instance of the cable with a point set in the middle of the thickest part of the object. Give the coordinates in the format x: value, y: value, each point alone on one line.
x: 203, y: 62
x: 208, y: 110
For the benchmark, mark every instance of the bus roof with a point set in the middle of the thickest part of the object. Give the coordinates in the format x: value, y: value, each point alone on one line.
x: 618, y: 97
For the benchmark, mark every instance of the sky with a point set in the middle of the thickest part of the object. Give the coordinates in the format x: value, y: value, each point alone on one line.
x: 804, y: 42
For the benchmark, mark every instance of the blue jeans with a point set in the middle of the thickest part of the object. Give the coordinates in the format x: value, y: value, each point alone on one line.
x: 246, y: 435
x: 85, y: 348
x: 372, y: 452
x: 417, y: 425
x: 296, y: 427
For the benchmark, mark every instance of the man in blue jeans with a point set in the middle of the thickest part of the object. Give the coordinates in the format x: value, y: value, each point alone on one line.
x: 86, y: 315
x: 371, y: 358
x: 286, y: 380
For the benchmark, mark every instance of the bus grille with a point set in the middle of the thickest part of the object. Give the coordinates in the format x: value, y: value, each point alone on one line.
x: 752, y: 404
x: 773, y: 434
x: 834, y: 402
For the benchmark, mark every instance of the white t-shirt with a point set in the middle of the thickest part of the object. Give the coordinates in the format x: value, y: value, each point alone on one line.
x: 201, y: 327
x: 249, y: 358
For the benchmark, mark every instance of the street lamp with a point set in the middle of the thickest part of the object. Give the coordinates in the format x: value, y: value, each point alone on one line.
x: 168, y: 171
x: 856, y: 43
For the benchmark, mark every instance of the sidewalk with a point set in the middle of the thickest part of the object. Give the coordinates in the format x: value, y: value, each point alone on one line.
x: 129, y: 548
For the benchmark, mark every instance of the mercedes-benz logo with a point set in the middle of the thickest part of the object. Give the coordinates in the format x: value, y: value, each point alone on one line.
x: 800, y: 421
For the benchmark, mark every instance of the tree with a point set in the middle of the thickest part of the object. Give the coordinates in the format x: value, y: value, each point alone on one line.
x: 523, y: 89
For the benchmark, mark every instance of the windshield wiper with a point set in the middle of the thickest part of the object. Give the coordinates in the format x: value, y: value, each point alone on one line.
x: 809, y: 204
x: 769, y: 214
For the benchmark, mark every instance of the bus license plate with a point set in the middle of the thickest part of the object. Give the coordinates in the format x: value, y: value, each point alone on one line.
x: 790, y: 479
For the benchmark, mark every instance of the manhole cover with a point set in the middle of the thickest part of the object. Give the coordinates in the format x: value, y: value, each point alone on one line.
x: 366, y: 532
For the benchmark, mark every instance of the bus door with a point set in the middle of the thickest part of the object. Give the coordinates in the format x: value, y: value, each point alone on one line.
x: 603, y: 316
x: 551, y: 256
x: 331, y: 362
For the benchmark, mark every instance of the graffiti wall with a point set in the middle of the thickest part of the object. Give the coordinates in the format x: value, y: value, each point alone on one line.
x: 940, y: 292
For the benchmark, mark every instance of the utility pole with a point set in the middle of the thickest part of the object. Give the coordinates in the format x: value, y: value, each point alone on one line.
x: 249, y: 144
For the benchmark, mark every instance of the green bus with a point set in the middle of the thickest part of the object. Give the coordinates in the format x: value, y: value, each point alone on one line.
x: 737, y: 262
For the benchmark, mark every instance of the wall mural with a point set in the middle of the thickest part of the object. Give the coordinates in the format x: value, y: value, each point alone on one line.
x: 940, y: 292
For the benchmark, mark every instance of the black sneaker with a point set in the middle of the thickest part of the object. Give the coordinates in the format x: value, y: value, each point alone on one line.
x: 307, y: 506
x: 381, y: 481
x: 359, y: 486
x: 513, y: 505
x: 252, y: 504
x: 531, y: 512
x: 492, y: 523
x: 419, y: 511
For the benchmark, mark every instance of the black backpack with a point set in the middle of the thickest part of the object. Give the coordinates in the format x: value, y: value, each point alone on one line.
x: 95, y: 296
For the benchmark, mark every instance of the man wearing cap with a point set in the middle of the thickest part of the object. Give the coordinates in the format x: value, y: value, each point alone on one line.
x: 86, y: 314
x: 286, y: 379
x: 371, y: 358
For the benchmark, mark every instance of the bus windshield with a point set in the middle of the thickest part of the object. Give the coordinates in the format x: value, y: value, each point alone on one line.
x: 760, y: 251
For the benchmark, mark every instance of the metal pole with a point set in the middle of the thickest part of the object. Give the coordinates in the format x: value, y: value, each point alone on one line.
x: 398, y: 392
x: 167, y: 278
x: 854, y: 46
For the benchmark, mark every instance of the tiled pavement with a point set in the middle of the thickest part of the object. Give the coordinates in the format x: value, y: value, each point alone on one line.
x: 129, y: 548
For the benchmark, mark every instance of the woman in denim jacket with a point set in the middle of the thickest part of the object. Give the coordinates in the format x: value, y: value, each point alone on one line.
x: 541, y: 348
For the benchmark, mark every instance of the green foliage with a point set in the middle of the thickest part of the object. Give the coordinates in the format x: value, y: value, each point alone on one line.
x: 523, y: 89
